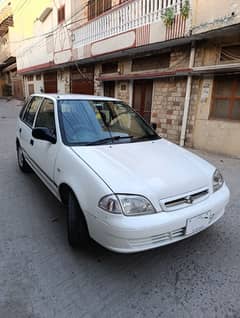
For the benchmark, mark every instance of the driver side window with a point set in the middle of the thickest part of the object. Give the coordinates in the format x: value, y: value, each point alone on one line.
x: 45, y: 117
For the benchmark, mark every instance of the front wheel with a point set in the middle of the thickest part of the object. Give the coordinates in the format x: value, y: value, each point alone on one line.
x: 76, y: 224
x: 23, y: 165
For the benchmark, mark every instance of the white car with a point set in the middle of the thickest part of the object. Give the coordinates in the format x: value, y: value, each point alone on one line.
x: 125, y: 187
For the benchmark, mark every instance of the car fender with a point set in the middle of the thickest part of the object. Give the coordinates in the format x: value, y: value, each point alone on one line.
x: 87, y: 186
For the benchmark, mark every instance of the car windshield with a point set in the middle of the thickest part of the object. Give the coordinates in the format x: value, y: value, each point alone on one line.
x: 92, y: 122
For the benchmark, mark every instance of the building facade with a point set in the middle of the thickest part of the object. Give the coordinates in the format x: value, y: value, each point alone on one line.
x: 10, y: 81
x: 176, y: 62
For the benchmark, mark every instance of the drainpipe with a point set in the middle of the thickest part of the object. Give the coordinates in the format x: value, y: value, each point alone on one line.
x: 187, y: 97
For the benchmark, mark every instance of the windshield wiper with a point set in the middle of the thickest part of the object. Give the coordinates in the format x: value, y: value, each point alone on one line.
x: 147, y: 137
x: 106, y: 140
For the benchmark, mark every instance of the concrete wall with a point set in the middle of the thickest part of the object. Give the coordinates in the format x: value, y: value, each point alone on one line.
x: 214, y: 14
x: 36, y: 46
x: 219, y: 136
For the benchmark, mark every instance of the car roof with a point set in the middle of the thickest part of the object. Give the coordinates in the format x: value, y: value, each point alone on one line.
x: 76, y: 97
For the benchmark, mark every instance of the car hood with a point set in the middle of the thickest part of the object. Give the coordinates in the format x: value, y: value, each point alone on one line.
x: 148, y: 168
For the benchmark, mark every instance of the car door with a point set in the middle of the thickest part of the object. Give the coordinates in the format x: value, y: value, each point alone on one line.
x: 26, y: 123
x: 44, y: 152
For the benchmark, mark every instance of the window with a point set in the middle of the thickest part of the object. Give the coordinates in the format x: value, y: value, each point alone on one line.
x: 38, y: 77
x: 109, y: 89
x: 226, y: 98
x: 230, y: 54
x: 30, y: 113
x: 24, y: 108
x: 151, y: 62
x: 61, y: 14
x: 30, y: 78
x: 30, y: 89
x: 109, y: 68
x: 86, y: 122
x: 45, y: 117
x: 97, y: 7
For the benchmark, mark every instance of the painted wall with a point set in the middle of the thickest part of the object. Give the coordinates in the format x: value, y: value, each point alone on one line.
x: 219, y: 136
x: 213, y: 14
x: 37, y: 42
x: 4, y: 48
x: 6, y: 40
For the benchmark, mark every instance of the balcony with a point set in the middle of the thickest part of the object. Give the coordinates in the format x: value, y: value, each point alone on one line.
x: 138, y: 22
x: 4, y: 48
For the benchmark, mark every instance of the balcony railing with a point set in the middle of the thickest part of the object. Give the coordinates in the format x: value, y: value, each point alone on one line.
x: 128, y: 16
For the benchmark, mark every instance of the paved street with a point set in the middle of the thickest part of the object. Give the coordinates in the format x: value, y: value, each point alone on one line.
x: 40, y: 276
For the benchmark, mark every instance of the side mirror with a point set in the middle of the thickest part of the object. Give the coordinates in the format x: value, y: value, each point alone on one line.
x: 154, y: 126
x: 43, y: 133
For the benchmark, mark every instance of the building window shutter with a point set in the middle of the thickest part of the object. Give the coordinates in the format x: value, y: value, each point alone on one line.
x: 107, y: 5
x: 91, y: 9
x: 97, y: 7
x: 226, y: 98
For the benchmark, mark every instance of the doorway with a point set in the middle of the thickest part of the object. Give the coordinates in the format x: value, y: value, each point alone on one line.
x: 50, y: 82
x: 142, y: 98
x: 109, y: 89
x: 82, y: 80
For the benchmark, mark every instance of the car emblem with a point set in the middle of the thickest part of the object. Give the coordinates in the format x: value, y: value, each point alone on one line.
x: 189, y: 199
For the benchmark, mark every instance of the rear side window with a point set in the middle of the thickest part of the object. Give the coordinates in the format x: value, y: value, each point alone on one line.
x: 45, y: 117
x: 24, y: 108
x: 32, y: 108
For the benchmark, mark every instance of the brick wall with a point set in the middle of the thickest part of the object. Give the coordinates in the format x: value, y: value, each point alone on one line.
x: 167, y: 107
x: 98, y: 85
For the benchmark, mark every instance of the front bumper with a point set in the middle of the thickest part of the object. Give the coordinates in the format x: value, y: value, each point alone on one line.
x: 132, y: 234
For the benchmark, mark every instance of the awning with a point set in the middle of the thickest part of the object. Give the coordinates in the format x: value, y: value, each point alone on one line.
x: 216, y: 69
x: 145, y: 75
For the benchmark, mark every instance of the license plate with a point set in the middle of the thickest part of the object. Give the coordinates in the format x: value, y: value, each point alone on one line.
x: 197, y: 223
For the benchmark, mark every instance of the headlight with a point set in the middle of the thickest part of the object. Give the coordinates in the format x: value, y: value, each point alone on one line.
x: 111, y: 204
x: 127, y: 204
x: 217, y: 180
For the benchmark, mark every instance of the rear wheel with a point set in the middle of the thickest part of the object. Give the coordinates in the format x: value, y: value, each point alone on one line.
x: 76, y: 224
x: 23, y: 165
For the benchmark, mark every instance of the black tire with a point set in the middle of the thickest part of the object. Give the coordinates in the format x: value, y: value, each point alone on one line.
x: 23, y: 165
x: 78, y: 235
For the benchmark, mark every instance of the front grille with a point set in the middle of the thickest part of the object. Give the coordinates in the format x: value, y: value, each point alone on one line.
x: 156, y: 239
x: 185, y: 200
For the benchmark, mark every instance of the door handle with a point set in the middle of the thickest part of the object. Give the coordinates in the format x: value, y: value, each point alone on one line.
x: 31, y: 142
